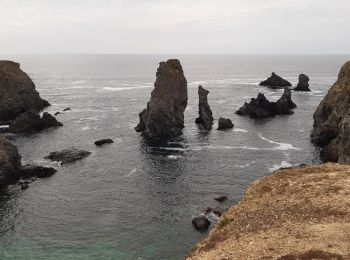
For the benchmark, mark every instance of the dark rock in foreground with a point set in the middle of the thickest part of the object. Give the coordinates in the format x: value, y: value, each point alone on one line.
x: 29, y: 171
x: 164, y: 115
x: 17, y: 92
x: 10, y: 162
x: 260, y: 107
x: 225, y: 123
x: 205, y: 114
x: 68, y: 155
x: 201, y: 223
x: 30, y: 122
x: 303, y: 84
x: 331, y: 120
x: 103, y: 141
x: 275, y: 81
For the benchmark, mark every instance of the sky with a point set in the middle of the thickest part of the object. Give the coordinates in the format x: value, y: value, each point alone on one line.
x: 175, y: 26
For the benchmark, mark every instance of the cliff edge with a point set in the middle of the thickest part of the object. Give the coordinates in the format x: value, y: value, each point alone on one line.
x: 299, y: 213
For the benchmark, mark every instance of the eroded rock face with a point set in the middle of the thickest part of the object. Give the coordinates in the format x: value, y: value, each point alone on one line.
x: 303, y: 84
x: 260, y: 107
x: 205, y: 114
x: 30, y: 122
x: 10, y: 162
x: 17, y: 92
x: 68, y: 155
x: 330, y: 120
x: 275, y: 81
x: 164, y: 115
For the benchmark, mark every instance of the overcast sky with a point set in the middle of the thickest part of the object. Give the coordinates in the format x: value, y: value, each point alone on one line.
x: 175, y: 26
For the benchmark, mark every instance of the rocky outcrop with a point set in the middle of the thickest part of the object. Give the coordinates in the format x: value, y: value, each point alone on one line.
x: 275, y: 81
x: 103, y: 142
x: 10, y: 162
x: 331, y: 120
x: 225, y: 123
x: 68, y: 155
x: 164, y: 115
x: 299, y: 213
x: 260, y: 107
x: 303, y: 84
x: 205, y: 118
x: 17, y: 92
x: 34, y: 171
x: 30, y: 122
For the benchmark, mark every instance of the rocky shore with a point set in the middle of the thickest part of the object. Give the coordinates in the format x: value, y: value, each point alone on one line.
x: 298, y: 213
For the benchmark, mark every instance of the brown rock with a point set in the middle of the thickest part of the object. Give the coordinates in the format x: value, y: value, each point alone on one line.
x: 164, y: 115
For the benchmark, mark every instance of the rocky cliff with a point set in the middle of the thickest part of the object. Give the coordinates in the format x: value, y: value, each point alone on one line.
x: 300, y: 213
x: 17, y: 92
x: 10, y: 162
x: 164, y: 115
x: 331, y: 119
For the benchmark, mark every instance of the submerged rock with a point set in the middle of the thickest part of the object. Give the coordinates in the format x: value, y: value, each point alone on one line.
x: 225, y: 123
x: 275, y: 81
x: 331, y: 120
x: 221, y: 198
x: 30, y: 122
x: 29, y: 171
x: 260, y: 107
x: 17, y: 92
x: 68, y: 155
x: 303, y: 84
x: 103, y: 141
x: 67, y: 109
x: 10, y: 162
x: 201, y: 223
x: 205, y: 114
x: 164, y: 115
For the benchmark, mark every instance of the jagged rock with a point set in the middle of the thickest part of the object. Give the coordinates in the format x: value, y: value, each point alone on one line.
x: 103, y: 141
x: 68, y: 155
x: 225, y: 123
x: 221, y: 198
x: 164, y: 115
x: 331, y: 121
x: 29, y: 171
x: 17, y: 92
x: 205, y: 114
x: 260, y: 107
x: 275, y: 81
x: 201, y: 223
x: 10, y: 162
x: 30, y: 122
x: 303, y: 84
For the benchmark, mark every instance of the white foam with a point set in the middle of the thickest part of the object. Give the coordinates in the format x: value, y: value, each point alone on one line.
x: 122, y: 89
x: 245, y: 165
x: 240, y: 130
x: 78, y: 82
x: 284, y: 164
x: 85, y: 128
x: 173, y: 157
x: 132, y: 172
x: 280, y: 146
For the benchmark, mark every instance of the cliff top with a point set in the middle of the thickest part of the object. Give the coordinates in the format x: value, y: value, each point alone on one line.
x: 299, y: 213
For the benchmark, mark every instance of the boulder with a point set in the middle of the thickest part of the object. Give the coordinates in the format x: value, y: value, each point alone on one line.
x: 275, y: 81
x: 201, y: 223
x: 17, y: 92
x: 221, y: 198
x: 205, y: 118
x: 10, y: 162
x: 68, y: 155
x: 303, y: 84
x: 103, y: 141
x: 225, y: 123
x: 30, y: 122
x: 164, y: 115
x: 331, y: 120
x: 260, y: 107
x: 29, y: 171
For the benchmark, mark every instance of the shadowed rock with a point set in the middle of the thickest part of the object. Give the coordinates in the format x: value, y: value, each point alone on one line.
x: 225, y: 123
x: 275, y: 81
x: 17, y: 92
x: 68, y: 155
x: 201, y: 223
x: 164, y: 115
x: 103, y: 141
x: 205, y: 114
x: 29, y: 171
x: 331, y: 120
x: 10, y: 162
x: 303, y: 84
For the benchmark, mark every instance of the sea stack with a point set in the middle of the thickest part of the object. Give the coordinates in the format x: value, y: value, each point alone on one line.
x: 275, y: 81
x: 331, y: 121
x: 205, y: 118
x: 303, y: 84
x: 164, y: 115
x: 17, y: 92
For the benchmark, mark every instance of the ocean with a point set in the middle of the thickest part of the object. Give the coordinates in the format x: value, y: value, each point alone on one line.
x: 133, y: 200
